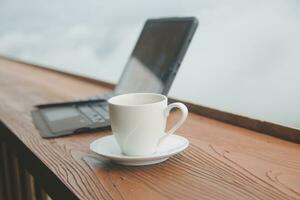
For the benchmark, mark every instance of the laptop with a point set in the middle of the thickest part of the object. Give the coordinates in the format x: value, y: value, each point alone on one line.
x: 151, y: 67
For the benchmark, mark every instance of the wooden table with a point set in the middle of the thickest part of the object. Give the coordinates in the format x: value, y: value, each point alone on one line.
x: 222, y: 162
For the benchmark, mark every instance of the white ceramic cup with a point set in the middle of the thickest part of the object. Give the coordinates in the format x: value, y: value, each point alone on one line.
x: 138, y: 121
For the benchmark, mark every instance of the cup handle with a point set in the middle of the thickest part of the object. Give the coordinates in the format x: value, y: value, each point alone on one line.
x: 184, y: 113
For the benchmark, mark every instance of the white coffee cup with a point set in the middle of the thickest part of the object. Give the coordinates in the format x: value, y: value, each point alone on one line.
x: 138, y: 121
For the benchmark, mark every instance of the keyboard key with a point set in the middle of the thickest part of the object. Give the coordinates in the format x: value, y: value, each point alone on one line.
x: 101, y: 111
x: 106, y: 108
x: 90, y: 113
x: 99, y: 119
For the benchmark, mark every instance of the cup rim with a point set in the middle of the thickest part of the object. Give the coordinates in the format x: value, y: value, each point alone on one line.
x: 110, y: 101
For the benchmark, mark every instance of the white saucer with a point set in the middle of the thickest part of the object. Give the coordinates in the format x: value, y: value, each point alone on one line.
x: 107, y: 147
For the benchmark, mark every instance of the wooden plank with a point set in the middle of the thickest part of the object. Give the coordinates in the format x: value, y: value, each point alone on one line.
x: 16, y: 178
x: 24, y: 182
x: 2, y: 173
x: 7, y: 173
x: 40, y: 193
x: 276, y: 130
x: 46, y: 178
x: 82, y: 78
x: 222, y: 162
x: 280, y: 131
x: 29, y: 186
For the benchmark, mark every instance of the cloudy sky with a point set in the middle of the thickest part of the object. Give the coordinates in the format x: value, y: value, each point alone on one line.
x: 244, y: 57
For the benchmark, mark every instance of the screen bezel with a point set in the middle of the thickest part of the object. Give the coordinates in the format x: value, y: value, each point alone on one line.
x: 185, y: 43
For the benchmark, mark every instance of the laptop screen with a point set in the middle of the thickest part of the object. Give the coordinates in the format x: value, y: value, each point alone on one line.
x: 156, y: 57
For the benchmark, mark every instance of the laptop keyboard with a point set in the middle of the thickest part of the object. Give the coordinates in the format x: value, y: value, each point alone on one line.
x: 105, y: 96
x: 95, y: 113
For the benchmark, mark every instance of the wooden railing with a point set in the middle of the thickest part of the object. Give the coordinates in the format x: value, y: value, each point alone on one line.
x: 277, y: 130
x: 16, y: 183
x: 222, y: 161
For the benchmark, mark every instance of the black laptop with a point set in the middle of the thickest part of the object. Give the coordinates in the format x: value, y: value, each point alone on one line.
x: 151, y: 67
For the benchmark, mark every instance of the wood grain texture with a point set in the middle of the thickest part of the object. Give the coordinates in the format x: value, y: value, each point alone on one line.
x: 277, y: 130
x: 222, y: 162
